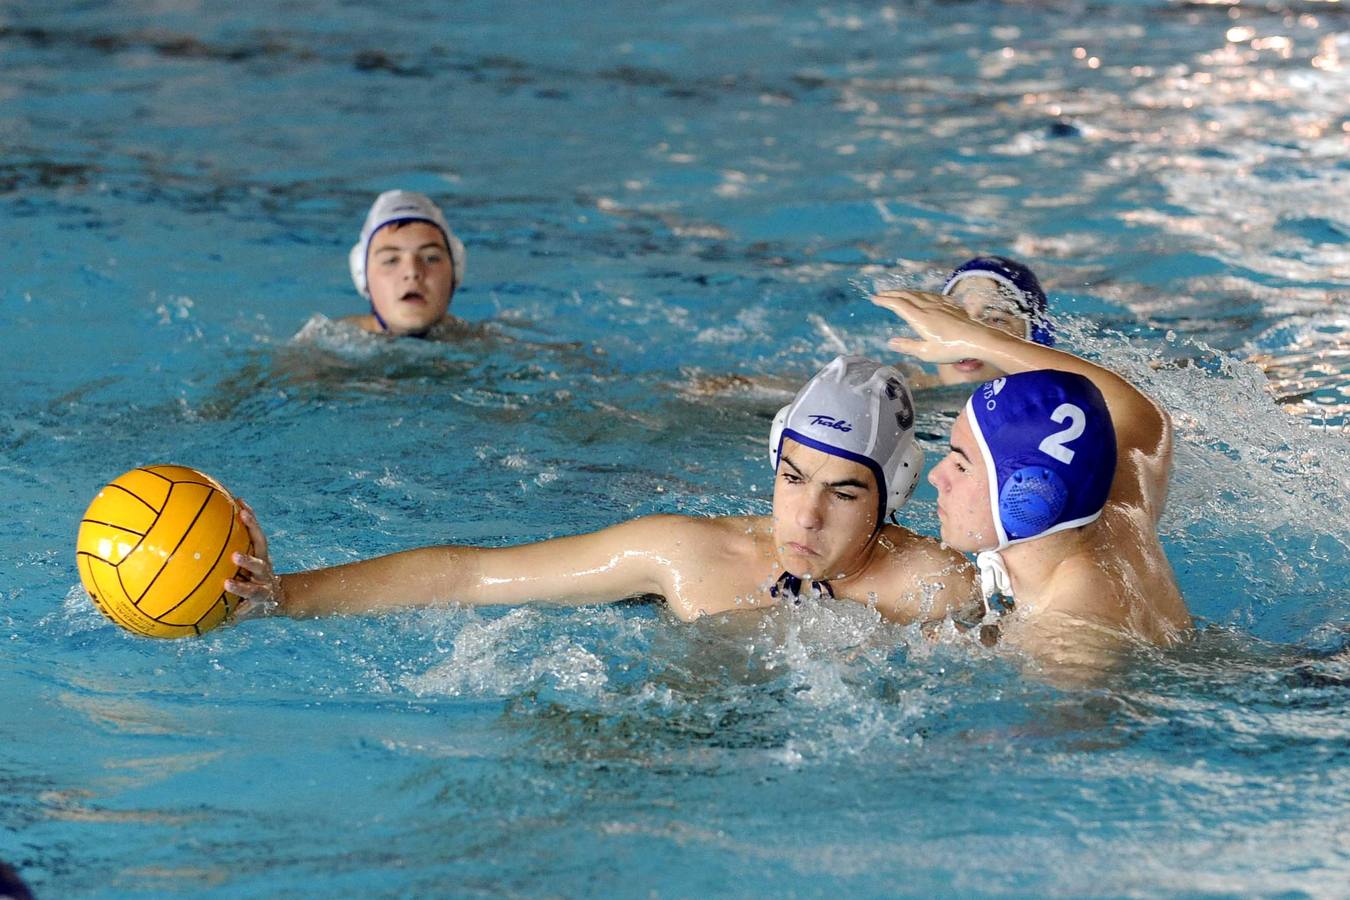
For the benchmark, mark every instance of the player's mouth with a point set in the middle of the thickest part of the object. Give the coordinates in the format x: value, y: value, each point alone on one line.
x: 969, y: 365
x: 413, y: 297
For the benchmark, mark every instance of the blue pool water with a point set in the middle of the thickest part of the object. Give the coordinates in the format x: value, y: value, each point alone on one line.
x: 653, y: 195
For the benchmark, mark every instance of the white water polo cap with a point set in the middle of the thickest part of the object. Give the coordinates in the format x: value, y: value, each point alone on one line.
x: 403, y: 206
x: 857, y: 409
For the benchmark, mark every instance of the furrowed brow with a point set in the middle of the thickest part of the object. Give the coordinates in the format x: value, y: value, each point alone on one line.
x: 849, y: 482
x: 842, y: 483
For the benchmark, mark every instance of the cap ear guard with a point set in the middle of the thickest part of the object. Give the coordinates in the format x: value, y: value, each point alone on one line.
x: 776, y: 435
x: 1031, y: 500
x: 904, y: 479
x: 356, y: 263
x: 1041, y: 330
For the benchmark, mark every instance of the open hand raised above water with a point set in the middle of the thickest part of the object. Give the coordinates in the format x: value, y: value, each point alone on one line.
x: 946, y: 333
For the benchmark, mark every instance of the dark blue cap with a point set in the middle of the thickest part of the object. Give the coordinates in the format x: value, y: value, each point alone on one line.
x: 1030, y: 297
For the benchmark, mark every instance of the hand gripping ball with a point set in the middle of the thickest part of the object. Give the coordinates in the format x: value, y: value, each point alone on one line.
x: 155, y: 547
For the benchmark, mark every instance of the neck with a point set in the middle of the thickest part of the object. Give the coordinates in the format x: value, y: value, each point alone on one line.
x: 862, y: 565
x: 1031, y: 564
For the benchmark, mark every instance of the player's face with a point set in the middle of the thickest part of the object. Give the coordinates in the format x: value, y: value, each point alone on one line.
x: 962, y: 484
x: 986, y: 301
x: 409, y: 271
x: 824, y: 513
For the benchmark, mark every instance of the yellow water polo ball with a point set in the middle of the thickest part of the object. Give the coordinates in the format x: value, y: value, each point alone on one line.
x: 155, y: 547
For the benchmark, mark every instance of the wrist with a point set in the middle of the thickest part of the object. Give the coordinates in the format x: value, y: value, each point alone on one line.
x: 279, y: 603
x: 997, y: 348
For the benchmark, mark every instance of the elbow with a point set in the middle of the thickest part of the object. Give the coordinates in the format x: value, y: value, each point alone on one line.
x: 1166, y: 430
x: 1159, y: 439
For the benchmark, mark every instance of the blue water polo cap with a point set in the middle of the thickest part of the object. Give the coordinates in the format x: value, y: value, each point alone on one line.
x: 1020, y: 281
x: 1049, y: 448
x: 857, y: 409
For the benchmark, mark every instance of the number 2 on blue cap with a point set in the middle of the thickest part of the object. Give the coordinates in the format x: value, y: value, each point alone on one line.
x: 1053, y: 445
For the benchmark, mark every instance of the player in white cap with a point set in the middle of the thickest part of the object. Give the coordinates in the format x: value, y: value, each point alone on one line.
x: 844, y: 458
x: 407, y: 263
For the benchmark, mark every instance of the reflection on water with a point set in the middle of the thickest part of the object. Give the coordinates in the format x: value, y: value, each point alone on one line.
x: 1312, y: 382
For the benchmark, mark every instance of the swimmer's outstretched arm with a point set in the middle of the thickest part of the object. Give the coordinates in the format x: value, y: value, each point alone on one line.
x: 622, y: 561
x: 1143, y: 428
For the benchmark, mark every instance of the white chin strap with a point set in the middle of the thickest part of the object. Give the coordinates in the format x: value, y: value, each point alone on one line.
x: 994, y: 578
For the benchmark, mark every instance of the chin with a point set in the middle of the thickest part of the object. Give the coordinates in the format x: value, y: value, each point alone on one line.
x: 803, y: 567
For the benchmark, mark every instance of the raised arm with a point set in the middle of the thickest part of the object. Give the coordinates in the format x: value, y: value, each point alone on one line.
x: 1143, y: 428
x: 619, y: 562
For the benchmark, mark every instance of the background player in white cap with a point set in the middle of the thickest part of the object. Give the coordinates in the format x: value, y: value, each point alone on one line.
x: 844, y: 457
x: 407, y: 263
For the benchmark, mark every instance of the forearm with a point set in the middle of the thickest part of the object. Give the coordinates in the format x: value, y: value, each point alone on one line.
x: 1132, y: 409
x: 591, y: 568
x: 946, y: 334
x: 422, y: 577
x: 1013, y: 355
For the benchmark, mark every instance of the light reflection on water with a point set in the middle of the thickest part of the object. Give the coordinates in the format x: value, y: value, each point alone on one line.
x: 655, y: 207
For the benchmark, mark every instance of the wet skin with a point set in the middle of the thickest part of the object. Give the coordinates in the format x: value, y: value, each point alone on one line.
x: 823, y: 527
x: 962, y: 483
x: 1110, y: 576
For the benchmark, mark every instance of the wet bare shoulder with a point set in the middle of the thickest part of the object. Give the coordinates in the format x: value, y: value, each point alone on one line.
x: 701, y: 538
x: 1132, y: 595
x: 924, y: 581
x: 733, y: 537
